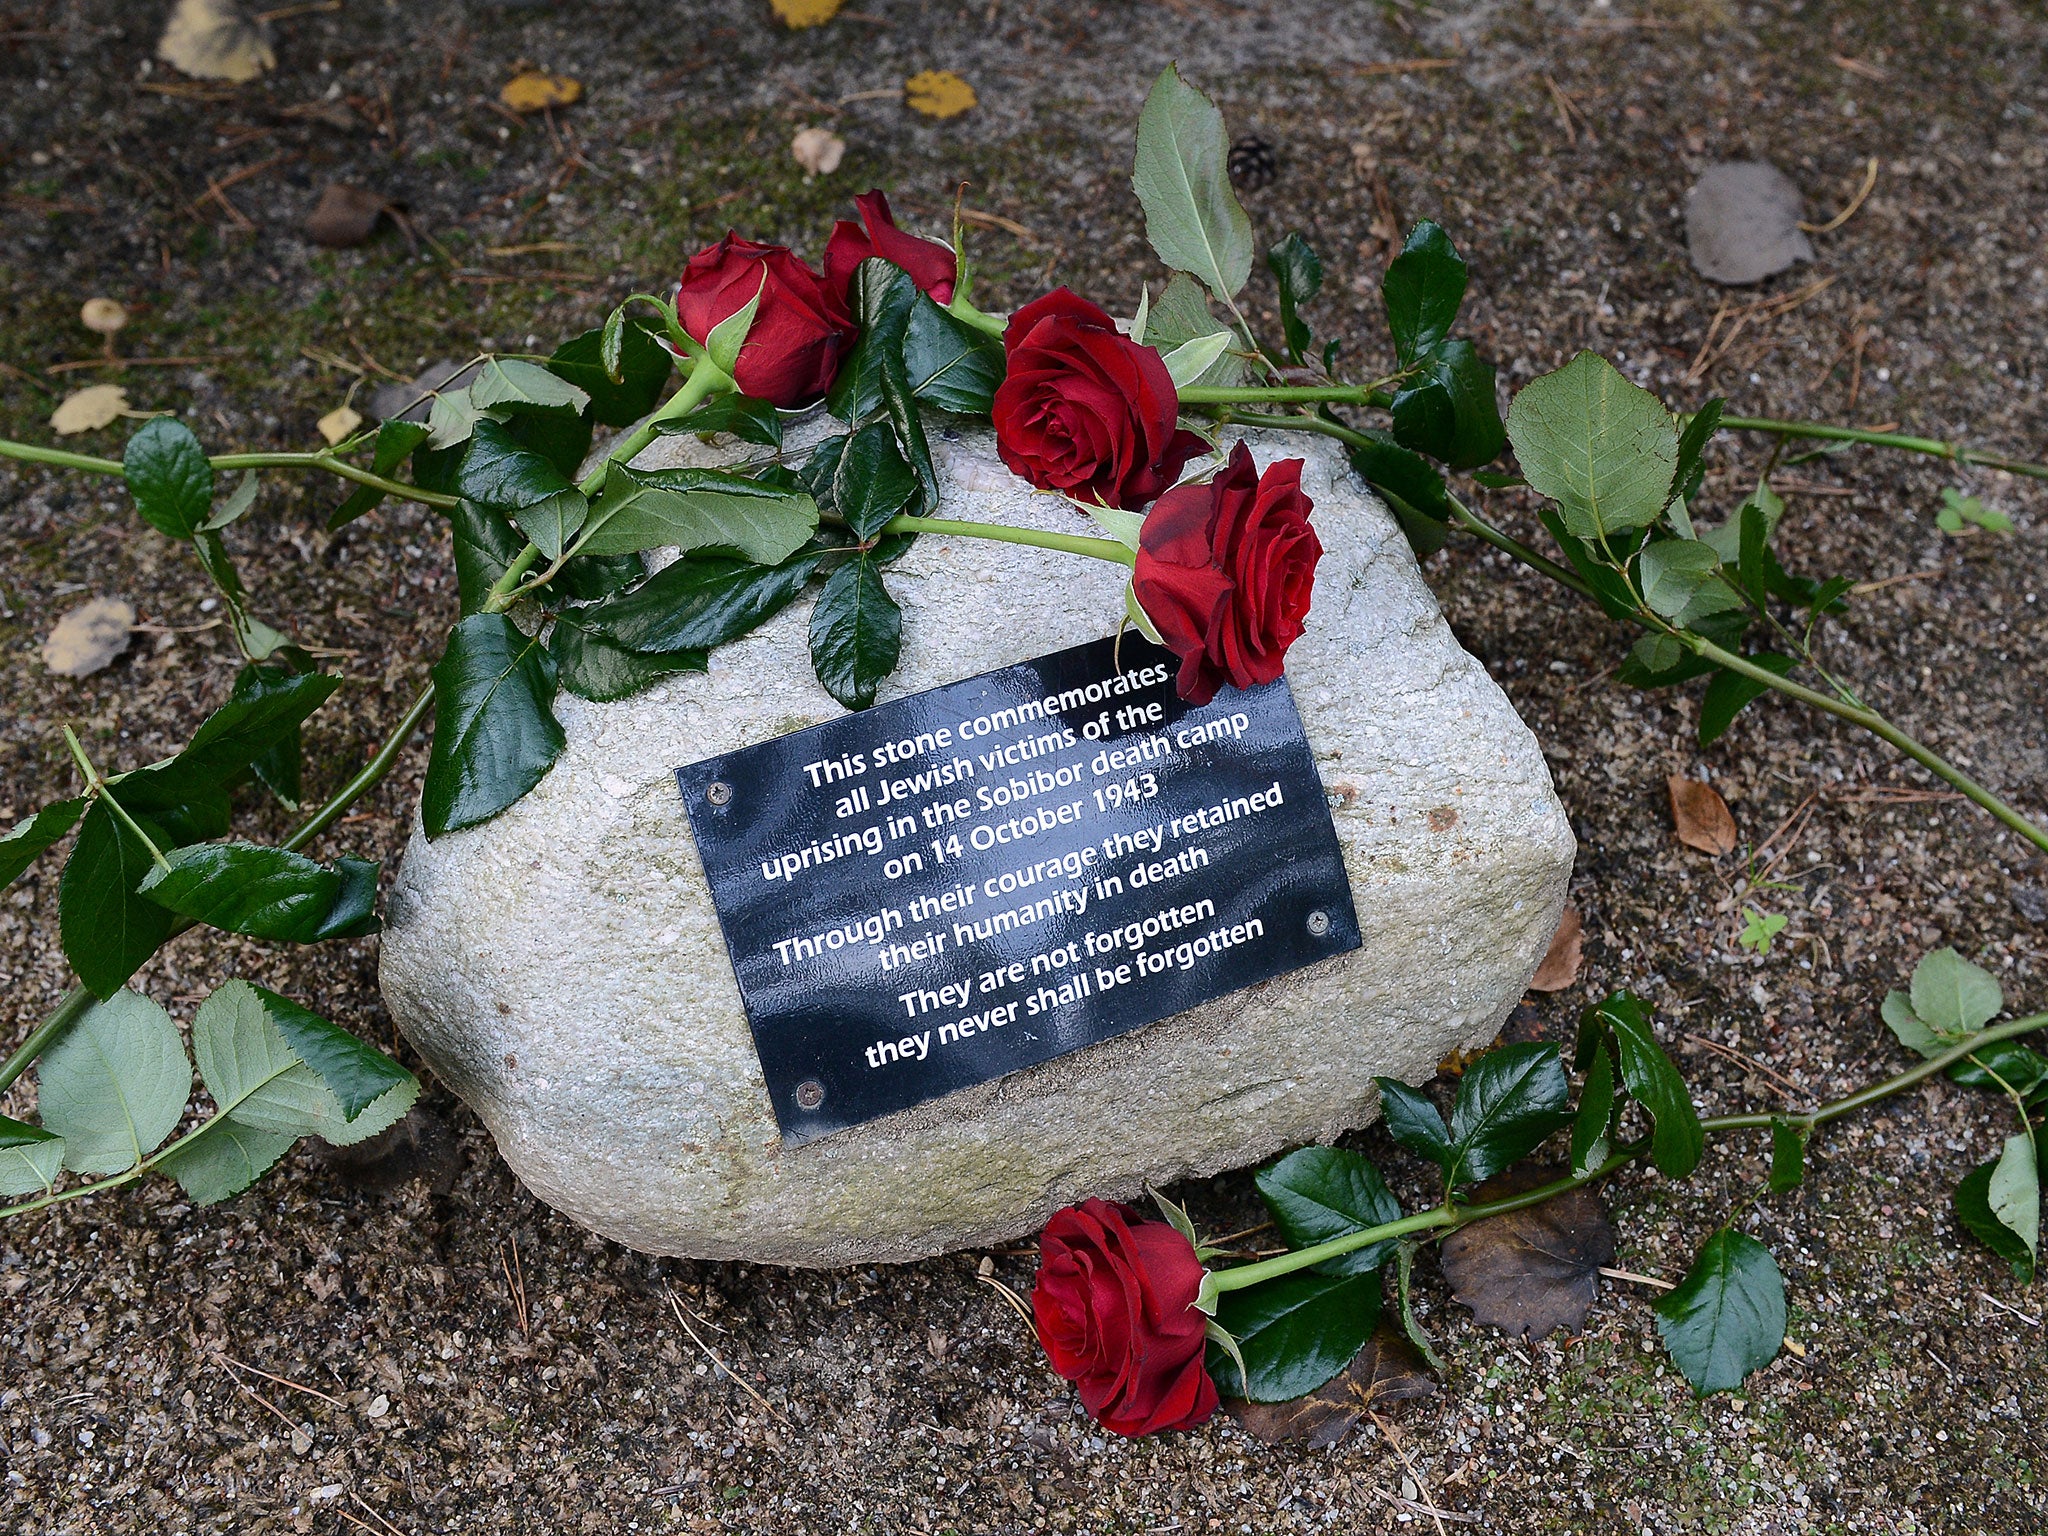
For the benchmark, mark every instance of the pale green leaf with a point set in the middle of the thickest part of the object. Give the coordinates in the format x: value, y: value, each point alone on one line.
x: 508, y: 384
x: 224, y: 1158
x: 1911, y: 1029
x: 262, y: 1077
x: 1182, y: 177
x: 1191, y: 359
x: 1602, y: 448
x: 115, y: 1084
x: 2015, y: 1192
x: 1952, y: 996
x: 30, y: 1158
x: 452, y: 418
x: 1672, y: 571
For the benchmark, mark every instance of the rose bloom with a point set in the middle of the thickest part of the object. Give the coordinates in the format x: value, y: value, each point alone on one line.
x: 1225, y: 571
x: 800, y: 331
x: 1114, y: 1307
x: 1086, y: 410
x: 931, y: 266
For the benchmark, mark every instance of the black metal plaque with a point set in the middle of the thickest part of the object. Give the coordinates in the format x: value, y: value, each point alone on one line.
x: 951, y: 886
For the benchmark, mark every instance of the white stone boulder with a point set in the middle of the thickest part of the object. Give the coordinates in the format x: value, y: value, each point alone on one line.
x: 562, y: 969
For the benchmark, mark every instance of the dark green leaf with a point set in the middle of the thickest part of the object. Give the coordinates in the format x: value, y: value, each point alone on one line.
x: 819, y: 470
x: 1413, y: 1121
x: 593, y: 667
x: 950, y: 365
x: 395, y: 442
x: 107, y: 929
x: 1423, y: 288
x: 1508, y: 1101
x: 502, y: 473
x: 1182, y: 177
x: 1299, y: 272
x: 1973, y: 1209
x: 169, y: 477
x: 559, y: 437
x: 1181, y: 315
x: 740, y: 416
x: 1596, y: 1109
x: 1321, y: 1193
x: 1727, y: 1317
x: 1676, y: 1138
x: 699, y: 603
x: 1404, y: 1265
x: 882, y: 299
x: 354, y: 1073
x: 1828, y: 596
x: 2023, y: 1070
x: 31, y: 835
x: 874, y: 481
x: 1730, y: 693
x: 485, y: 544
x: 856, y: 633
x: 1411, y: 487
x: 698, y: 510
x: 1788, y: 1156
x: 642, y: 367
x: 1448, y: 410
x: 266, y: 893
x: 278, y: 768
x: 591, y: 578
x: 495, y: 732
x: 1295, y: 1333
x: 908, y: 420
x: 1692, y: 448
x: 265, y: 710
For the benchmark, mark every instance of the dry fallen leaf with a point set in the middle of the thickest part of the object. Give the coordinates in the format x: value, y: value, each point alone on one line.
x: 1560, y: 967
x: 1742, y: 223
x: 798, y: 14
x: 339, y: 423
x: 937, y: 93
x: 1531, y: 1271
x: 103, y: 317
x: 535, y: 91
x: 345, y: 215
x: 88, y: 409
x: 1701, y: 816
x: 88, y: 637
x: 818, y: 150
x: 214, y: 40
x: 1389, y: 1369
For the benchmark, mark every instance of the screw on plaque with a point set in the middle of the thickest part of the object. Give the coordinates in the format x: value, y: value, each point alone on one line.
x: 1318, y: 923
x: 718, y: 793
x: 810, y: 1094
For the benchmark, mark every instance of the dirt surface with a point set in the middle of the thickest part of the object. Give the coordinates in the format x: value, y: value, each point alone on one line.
x: 467, y: 1361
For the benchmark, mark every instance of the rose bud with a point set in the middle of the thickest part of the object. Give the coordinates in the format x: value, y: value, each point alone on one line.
x: 1114, y: 1308
x: 1225, y: 571
x: 1086, y: 410
x: 931, y: 266
x: 801, y: 328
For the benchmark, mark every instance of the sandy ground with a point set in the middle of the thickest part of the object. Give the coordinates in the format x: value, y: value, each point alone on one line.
x: 467, y: 1361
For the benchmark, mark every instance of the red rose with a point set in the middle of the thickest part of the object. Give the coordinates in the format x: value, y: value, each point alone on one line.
x: 1114, y: 1304
x: 1086, y: 410
x: 800, y: 329
x: 931, y: 265
x: 1225, y: 571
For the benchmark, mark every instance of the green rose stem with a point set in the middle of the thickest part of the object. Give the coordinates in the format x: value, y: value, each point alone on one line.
x: 1003, y: 533
x: 1855, y: 713
x: 1824, y: 431
x: 78, y: 1000
x: 1449, y: 1216
x: 31, y: 454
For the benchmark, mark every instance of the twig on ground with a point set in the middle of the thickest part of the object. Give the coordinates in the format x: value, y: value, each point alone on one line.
x: 675, y: 1303
x: 282, y: 1381
x: 1635, y: 1279
x: 1427, y: 1504
x: 1748, y: 1061
x: 366, y: 1509
x: 515, y: 1285
x: 2031, y: 1322
x: 1882, y: 582
x: 1869, y: 181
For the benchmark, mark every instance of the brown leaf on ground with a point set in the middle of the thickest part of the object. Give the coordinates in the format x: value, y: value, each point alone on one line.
x: 345, y: 215
x: 1701, y: 816
x: 818, y: 150
x: 1388, y: 1370
x: 1560, y: 967
x: 214, y: 40
x: 938, y: 93
x: 1531, y: 1271
x: 88, y: 409
x: 89, y: 637
x: 535, y: 90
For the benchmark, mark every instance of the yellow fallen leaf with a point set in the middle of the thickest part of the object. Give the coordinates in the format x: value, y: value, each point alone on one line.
x: 798, y: 14
x: 214, y: 40
x: 103, y: 317
x: 937, y: 93
x: 88, y: 637
x: 88, y: 409
x: 339, y: 423
x: 535, y: 91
